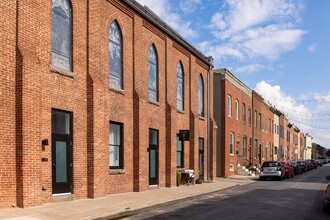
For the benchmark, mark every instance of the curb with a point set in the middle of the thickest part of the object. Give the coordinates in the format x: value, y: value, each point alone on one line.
x: 164, y: 204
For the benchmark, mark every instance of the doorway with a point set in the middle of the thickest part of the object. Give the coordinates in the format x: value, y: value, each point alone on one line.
x: 61, y: 151
x: 153, y: 157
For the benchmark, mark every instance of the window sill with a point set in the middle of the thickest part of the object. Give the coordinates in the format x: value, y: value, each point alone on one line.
x: 117, y: 171
x: 120, y: 91
x: 180, y: 111
x: 232, y: 155
x: 154, y: 103
x: 61, y: 71
x: 201, y: 118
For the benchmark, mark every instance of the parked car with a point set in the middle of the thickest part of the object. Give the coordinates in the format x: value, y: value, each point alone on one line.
x: 311, y: 164
x: 303, y: 166
x: 272, y: 169
x: 319, y: 163
x: 288, y: 170
x: 326, y: 205
x: 296, y: 167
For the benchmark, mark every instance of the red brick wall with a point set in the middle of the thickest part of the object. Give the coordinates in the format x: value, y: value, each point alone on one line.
x: 30, y: 90
x: 238, y: 127
x: 268, y: 136
x: 8, y: 97
x: 257, y: 132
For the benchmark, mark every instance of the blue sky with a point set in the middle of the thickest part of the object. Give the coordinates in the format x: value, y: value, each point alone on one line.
x: 280, y: 48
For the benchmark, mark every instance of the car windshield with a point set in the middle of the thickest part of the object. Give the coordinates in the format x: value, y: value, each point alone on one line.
x: 269, y: 164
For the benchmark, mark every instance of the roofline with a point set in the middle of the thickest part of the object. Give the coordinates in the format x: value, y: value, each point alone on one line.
x: 157, y: 21
x: 227, y: 71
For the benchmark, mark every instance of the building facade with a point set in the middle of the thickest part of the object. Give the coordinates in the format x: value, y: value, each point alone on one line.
x: 232, y: 113
x: 94, y: 98
x: 308, y: 146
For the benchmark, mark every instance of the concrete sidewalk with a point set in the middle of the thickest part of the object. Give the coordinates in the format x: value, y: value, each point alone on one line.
x: 118, y: 205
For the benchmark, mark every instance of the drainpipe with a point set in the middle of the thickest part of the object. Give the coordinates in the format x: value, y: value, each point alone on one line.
x: 210, y: 60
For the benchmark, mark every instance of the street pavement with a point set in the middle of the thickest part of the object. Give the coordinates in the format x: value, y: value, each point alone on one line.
x: 122, y: 204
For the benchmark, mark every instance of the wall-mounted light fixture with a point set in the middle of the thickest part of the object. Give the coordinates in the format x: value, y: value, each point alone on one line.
x: 45, y: 142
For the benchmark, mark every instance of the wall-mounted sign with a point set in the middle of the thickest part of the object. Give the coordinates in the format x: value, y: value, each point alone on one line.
x: 184, y: 135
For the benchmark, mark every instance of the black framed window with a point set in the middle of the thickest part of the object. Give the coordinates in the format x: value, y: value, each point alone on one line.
x: 200, y: 96
x: 116, y: 145
x: 179, y: 87
x: 153, y: 74
x: 179, y: 153
x: 62, y: 34
x: 115, y: 56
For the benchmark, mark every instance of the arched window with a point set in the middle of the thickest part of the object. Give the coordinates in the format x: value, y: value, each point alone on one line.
x: 179, y: 87
x: 115, y: 57
x: 153, y: 74
x: 61, y: 34
x: 200, y: 96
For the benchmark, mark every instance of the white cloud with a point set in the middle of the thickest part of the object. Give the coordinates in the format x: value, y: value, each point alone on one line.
x: 307, y: 117
x: 164, y: 10
x: 189, y: 6
x: 272, y: 41
x: 258, y: 29
x: 312, y: 47
x: 251, y: 68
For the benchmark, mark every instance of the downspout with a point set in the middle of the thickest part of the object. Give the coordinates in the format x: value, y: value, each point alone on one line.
x: 210, y: 60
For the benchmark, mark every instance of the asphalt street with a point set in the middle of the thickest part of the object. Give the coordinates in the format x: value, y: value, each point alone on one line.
x: 300, y: 197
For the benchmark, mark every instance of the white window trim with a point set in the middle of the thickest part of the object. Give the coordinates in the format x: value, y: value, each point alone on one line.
x: 233, y: 144
x: 236, y: 110
x: 231, y: 167
x: 229, y: 105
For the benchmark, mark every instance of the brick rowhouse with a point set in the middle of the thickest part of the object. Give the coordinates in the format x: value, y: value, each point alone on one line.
x: 233, y: 114
x: 47, y: 110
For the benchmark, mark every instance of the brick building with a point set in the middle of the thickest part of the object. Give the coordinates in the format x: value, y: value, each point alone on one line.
x: 276, y: 133
x: 93, y: 97
x: 267, y: 132
x: 232, y: 112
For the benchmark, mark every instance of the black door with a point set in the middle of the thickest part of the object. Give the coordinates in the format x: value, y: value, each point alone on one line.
x: 201, y: 158
x: 61, y: 151
x: 153, y: 157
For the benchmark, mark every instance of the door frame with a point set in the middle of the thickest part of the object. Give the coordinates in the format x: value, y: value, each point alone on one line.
x: 155, y: 180
x: 59, y: 188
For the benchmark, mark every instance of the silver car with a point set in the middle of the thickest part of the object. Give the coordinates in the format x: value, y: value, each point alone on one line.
x: 272, y: 169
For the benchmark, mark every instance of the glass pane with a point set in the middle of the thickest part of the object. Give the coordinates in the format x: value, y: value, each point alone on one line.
x: 114, y: 156
x: 152, y: 163
x: 201, y: 144
x: 178, y: 144
x: 153, y: 137
x: 200, y: 96
x: 61, y: 34
x: 60, y: 122
x: 178, y: 159
x: 114, y: 134
x: 61, y: 163
x: 152, y: 75
x: 115, y: 56
x: 179, y: 87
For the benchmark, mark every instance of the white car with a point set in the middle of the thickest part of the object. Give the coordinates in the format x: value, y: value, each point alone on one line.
x: 272, y: 169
